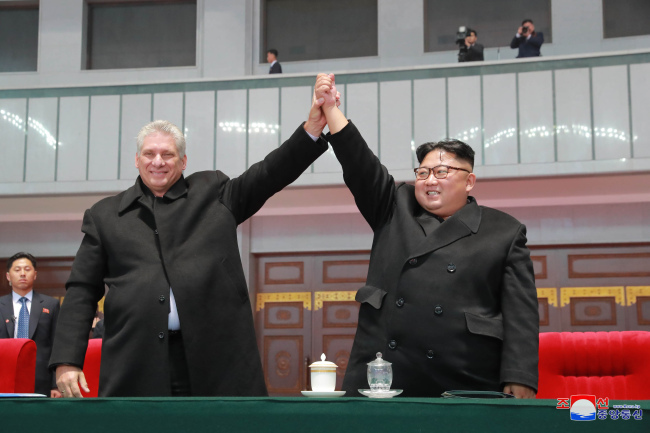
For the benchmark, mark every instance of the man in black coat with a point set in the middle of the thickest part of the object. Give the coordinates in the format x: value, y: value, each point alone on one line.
x: 40, y: 315
x: 177, y: 315
x: 450, y: 297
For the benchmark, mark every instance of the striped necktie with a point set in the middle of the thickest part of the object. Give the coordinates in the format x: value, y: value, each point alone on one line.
x: 23, y: 320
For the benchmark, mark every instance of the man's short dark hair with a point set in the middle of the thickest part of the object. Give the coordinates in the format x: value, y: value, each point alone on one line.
x: 470, y: 31
x: 527, y: 20
x: 273, y: 51
x: 19, y: 256
x: 461, y: 150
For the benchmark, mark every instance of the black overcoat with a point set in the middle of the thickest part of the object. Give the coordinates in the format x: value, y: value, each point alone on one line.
x: 140, y: 246
x: 455, y: 310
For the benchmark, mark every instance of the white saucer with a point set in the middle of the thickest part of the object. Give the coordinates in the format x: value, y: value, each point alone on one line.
x: 323, y: 394
x: 381, y: 394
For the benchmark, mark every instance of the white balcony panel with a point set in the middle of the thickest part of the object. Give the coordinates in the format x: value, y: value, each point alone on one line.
x: 640, y: 85
x: 429, y: 111
x: 362, y: 106
x: 395, y: 119
x: 104, y: 137
x: 573, y: 115
x: 500, y: 119
x: 41, y: 140
x: 169, y: 106
x: 263, y: 120
x: 136, y: 112
x: 611, y: 112
x: 73, y: 138
x: 13, y: 119
x: 199, y: 131
x: 465, y: 112
x: 536, y: 126
x: 231, y: 131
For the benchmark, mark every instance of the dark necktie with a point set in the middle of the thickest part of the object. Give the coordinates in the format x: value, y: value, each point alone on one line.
x: 23, y: 320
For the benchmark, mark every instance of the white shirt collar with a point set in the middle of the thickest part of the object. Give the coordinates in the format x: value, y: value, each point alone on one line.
x: 16, y: 296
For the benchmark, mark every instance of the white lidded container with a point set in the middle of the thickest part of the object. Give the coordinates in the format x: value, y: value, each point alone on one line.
x: 323, y: 375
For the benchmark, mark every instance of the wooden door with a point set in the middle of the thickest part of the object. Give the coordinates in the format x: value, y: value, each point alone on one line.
x: 305, y: 307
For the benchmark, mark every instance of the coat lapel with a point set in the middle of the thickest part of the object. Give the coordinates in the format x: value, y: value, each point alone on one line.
x: 7, y: 313
x: 35, y: 314
x: 463, y: 223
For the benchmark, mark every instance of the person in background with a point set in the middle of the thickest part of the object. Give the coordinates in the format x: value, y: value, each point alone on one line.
x: 28, y: 314
x: 527, y: 40
x: 473, y: 51
x: 272, y: 58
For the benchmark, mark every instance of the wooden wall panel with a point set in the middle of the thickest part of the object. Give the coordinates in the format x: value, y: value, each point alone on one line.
x: 619, y: 265
x: 345, y: 271
x: 539, y: 267
x: 593, y: 309
x: 283, y: 315
x: 337, y: 348
x: 283, y: 364
x: 284, y: 273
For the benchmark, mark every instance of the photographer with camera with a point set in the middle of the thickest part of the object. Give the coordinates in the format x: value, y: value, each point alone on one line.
x: 527, y: 40
x: 470, y: 51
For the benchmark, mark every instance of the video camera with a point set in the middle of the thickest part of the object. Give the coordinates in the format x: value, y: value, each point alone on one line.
x: 461, y: 34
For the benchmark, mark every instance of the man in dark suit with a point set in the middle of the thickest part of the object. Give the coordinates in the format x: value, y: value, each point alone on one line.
x: 272, y: 58
x: 527, y: 40
x: 27, y: 314
x: 177, y: 316
x: 473, y: 51
x: 450, y: 297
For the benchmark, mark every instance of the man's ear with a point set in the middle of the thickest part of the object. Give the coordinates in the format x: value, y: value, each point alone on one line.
x: 137, y: 163
x: 471, y: 181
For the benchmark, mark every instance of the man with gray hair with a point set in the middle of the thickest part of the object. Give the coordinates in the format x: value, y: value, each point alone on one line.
x: 177, y: 315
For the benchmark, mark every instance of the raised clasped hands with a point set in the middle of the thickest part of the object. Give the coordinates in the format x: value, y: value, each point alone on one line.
x: 325, y: 97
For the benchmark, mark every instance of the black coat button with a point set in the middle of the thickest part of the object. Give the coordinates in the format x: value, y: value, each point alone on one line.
x: 413, y: 262
x: 430, y: 354
x: 155, y: 231
x: 392, y: 345
x: 399, y: 302
x: 438, y: 309
x: 451, y: 268
x: 161, y: 335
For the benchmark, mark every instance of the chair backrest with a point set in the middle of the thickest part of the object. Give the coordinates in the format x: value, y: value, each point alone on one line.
x: 613, y: 365
x: 17, y: 365
x: 91, y: 366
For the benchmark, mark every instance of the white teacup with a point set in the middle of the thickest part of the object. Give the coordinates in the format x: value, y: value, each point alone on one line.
x: 323, y: 375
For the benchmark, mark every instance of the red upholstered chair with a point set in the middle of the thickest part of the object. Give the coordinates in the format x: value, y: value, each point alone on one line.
x: 17, y: 365
x: 91, y: 366
x: 615, y: 365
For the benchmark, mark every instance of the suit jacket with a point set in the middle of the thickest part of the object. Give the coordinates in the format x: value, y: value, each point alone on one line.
x: 140, y: 246
x: 42, y: 325
x: 528, y: 47
x: 453, y: 310
x: 275, y: 69
x: 474, y: 53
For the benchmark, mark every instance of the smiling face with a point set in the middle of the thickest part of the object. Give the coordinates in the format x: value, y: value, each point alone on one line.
x: 159, y: 163
x: 22, y: 276
x: 444, y: 197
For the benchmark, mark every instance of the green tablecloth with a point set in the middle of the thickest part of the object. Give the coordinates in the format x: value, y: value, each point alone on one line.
x: 304, y: 415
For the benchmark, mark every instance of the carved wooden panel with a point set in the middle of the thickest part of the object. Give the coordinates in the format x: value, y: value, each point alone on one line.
x: 542, y: 308
x: 593, y: 311
x: 539, y: 267
x: 638, y: 307
x: 284, y: 272
x: 337, y: 348
x: 283, y: 364
x: 340, y: 314
x: 609, y: 265
x: 549, y: 317
x: 283, y: 315
x: 345, y: 271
